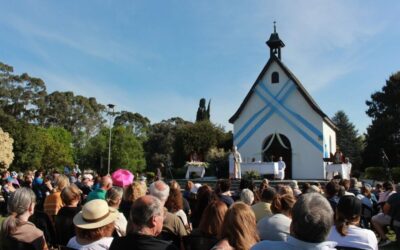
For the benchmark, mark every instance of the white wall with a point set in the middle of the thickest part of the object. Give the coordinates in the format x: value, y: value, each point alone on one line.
x: 307, y: 159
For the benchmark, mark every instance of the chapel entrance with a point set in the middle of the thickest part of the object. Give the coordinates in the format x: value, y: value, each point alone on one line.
x: 275, y: 146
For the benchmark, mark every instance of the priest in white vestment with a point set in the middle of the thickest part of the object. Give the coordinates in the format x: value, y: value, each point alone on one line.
x: 281, y: 169
x: 234, y: 164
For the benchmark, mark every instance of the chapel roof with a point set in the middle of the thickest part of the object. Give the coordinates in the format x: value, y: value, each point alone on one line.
x: 299, y: 86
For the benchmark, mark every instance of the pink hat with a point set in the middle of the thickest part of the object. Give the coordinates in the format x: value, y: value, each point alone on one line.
x: 122, y: 178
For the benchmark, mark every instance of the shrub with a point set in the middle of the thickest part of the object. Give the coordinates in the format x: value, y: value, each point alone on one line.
x: 251, y: 175
x: 375, y: 173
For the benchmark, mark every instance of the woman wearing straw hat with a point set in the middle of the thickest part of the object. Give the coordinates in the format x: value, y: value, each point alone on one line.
x: 94, y: 226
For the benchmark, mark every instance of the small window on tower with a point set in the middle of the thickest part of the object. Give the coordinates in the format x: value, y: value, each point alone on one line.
x: 275, y: 77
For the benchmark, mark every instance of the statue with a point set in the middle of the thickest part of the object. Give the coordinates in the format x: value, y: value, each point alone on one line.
x: 202, y: 112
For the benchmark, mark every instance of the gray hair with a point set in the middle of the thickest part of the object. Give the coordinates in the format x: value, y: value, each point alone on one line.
x: 18, y: 204
x: 114, y: 195
x: 160, y: 190
x: 144, y: 209
x: 20, y: 201
x: 247, y: 196
x: 312, y: 218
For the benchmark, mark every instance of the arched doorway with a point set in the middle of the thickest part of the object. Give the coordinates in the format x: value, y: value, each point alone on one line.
x: 276, y: 145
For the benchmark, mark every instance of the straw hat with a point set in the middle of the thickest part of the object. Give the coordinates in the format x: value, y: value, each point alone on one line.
x: 95, y: 214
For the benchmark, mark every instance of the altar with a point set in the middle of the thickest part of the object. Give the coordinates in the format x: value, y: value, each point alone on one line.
x: 195, y: 167
x: 343, y: 169
x: 263, y: 168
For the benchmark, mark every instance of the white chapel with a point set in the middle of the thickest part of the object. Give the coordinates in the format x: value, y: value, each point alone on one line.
x: 279, y: 118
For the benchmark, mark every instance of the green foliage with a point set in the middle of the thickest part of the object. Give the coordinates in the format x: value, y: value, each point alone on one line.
x: 219, y: 162
x: 348, y: 140
x: 135, y: 122
x: 37, y: 147
x: 375, y: 173
x: 251, y: 175
x: 378, y: 173
x: 126, y: 151
x: 384, y: 132
x: 396, y: 174
x: 203, y: 114
x: 80, y: 115
x: 21, y: 96
x: 150, y: 177
x: 160, y: 144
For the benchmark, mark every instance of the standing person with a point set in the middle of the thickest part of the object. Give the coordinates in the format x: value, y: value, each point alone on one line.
x: 173, y: 228
x: 237, y: 159
x: 53, y: 203
x: 147, y: 217
x: 105, y: 184
x: 64, y: 226
x: 94, y: 226
x: 281, y: 168
x: 239, y: 228
x: 114, y: 198
x: 346, y: 231
x: 16, y: 229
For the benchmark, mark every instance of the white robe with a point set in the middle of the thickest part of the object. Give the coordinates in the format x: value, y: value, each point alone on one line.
x: 281, y: 170
x: 236, y: 166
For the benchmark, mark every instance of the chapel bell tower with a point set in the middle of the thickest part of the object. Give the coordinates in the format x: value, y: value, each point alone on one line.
x: 275, y: 44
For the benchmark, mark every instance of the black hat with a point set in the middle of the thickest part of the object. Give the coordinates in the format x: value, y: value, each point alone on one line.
x: 349, y: 206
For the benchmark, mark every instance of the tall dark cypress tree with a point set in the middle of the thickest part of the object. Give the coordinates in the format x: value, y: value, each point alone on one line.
x: 348, y: 140
x: 384, y: 132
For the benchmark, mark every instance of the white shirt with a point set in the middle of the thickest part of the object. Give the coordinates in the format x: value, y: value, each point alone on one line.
x: 102, y: 244
x: 356, y: 237
x: 183, y: 216
x: 120, y: 224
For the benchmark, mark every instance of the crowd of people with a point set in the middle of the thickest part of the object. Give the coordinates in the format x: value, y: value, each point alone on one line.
x: 82, y: 211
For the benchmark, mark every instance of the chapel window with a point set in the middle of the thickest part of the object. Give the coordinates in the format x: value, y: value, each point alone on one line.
x: 275, y: 77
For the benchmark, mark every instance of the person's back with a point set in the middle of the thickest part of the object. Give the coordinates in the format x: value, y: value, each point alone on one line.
x: 346, y: 231
x: 263, y: 208
x: 312, y: 219
x: 135, y: 241
x: 16, y: 230
x: 147, y: 215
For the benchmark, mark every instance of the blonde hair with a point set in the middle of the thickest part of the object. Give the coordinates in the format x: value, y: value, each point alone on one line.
x: 134, y: 191
x: 239, y: 227
x: 61, y: 182
x: 70, y: 194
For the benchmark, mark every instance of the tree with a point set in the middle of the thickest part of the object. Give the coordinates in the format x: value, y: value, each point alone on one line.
x: 135, y: 122
x: 6, y: 150
x: 347, y: 138
x: 203, y: 114
x: 21, y: 96
x: 126, y: 151
x: 384, y: 132
x: 37, y: 147
x: 160, y: 143
x: 80, y: 115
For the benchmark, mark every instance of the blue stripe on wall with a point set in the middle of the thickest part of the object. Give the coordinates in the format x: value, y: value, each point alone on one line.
x: 247, y: 124
x: 298, y: 117
x: 297, y: 128
x: 265, y: 118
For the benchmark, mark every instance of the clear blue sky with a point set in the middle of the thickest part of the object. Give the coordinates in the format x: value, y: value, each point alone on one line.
x: 159, y: 58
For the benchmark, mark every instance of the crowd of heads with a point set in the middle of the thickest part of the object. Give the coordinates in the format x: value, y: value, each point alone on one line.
x: 226, y: 217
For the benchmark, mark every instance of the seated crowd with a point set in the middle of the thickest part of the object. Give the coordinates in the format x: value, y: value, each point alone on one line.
x: 83, y: 212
